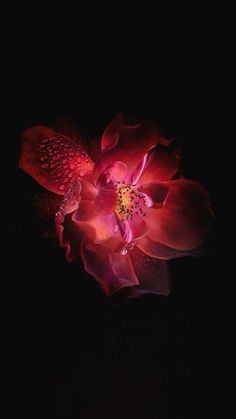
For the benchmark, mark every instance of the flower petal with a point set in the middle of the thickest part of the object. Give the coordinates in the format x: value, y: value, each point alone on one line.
x: 133, y: 229
x: 88, y: 191
x: 70, y: 238
x: 111, y: 270
x: 185, y: 219
x: 153, y: 275
x: 52, y: 159
x: 106, y: 199
x: 107, y: 194
x: 157, y: 192
x: 67, y: 127
x: 161, y: 164
x: 69, y: 204
x: 118, y: 171
x: 110, y: 136
x: 128, y: 143
x: 113, y: 174
x: 98, y: 227
x: 160, y: 251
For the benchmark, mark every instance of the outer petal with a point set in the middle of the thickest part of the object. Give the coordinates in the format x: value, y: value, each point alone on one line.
x: 69, y: 204
x: 111, y: 270
x: 110, y: 136
x: 158, y: 193
x: 160, y: 251
x: 88, y: 191
x: 70, y: 238
x: 128, y: 143
x: 162, y: 165
x: 67, y: 127
x: 153, y: 275
x: 52, y: 159
x: 184, y: 221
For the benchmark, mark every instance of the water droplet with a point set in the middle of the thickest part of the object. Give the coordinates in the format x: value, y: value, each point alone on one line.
x: 62, y: 187
x: 124, y: 251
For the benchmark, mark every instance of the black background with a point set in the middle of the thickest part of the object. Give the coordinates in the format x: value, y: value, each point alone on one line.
x: 78, y: 354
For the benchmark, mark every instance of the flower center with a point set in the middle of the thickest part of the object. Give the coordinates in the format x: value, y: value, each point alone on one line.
x: 130, y: 201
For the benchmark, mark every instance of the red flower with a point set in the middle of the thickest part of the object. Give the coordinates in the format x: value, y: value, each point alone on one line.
x: 126, y: 211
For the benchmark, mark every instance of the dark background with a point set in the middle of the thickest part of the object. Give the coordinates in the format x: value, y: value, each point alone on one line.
x: 78, y: 354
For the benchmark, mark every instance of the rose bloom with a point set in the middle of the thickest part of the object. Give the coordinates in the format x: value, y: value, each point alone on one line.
x: 125, y: 208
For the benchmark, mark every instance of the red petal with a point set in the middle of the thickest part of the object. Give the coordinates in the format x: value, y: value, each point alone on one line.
x: 113, y: 174
x: 133, y: 229
x: 88, y: 191
x: 70, y: 238
x: 98, y: 227
x: 111, y: 270
x: 153, y: 274
x: 52, y: 159
x: 157, y: 192
x: 69, y: 204
x: 106, y: 199
x: 184, y: 221
x: 162, y: 165
x: 67, y: 127
x: 107, y: 195
x: 118, y: 171
x: 110, y: 136
x: 142, y: 165
x: 127, y: 143
x: 160, y: 251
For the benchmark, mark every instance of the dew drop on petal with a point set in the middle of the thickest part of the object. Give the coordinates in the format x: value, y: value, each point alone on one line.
x: 124, y: 251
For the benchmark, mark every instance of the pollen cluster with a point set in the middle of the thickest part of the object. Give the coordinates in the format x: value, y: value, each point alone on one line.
x: 130, y: 201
